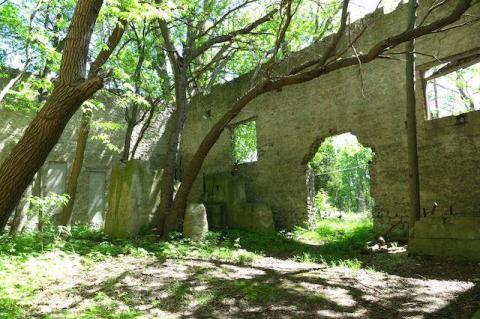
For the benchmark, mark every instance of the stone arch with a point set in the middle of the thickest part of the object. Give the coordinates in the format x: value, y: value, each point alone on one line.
x: 311, y: 152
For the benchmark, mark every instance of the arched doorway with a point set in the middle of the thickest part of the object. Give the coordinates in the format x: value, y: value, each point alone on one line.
x: 341, y: 178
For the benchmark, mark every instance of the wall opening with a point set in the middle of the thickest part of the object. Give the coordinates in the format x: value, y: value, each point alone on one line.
x: 341, y: 178
x: 96, y: 197
x: 453, y: 88
x: 244, y: 142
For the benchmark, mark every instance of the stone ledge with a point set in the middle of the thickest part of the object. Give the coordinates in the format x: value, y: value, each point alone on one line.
x: 466, y: 248
x: 449, y: 227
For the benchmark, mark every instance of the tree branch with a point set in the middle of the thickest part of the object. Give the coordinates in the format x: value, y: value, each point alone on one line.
x: 333, y: 46
x: 230, y: 36
x: 112, y: 43
x: 74, y: 59
x: 222, y: 18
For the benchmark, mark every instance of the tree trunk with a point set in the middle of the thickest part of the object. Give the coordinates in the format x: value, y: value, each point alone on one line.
x: 166, y: 218
x: 144, y: 129
x: 66, y: 217
x: 128, y: 140
x: 13, y: 82
x: 413, y: 172
x: 131, y: 113
x: 71, y: 90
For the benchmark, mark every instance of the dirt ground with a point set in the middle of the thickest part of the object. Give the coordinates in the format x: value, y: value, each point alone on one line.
x: 391, y: 286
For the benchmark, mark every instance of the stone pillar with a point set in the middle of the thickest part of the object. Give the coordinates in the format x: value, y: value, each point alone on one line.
x: 131, y: 199
x: 195, y: 225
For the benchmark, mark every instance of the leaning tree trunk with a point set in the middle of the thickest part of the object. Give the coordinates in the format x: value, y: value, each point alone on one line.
x: 66, y: 217
x: 175, y: 218
x: 43, y: 133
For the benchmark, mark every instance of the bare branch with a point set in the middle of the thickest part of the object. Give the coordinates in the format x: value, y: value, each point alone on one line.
x: 333, y: 46
x: 225, y: 16
x: 466, y: 23
x: 430, y: 11
x: 286, y: 20
x: 230, y: 36
x: 169, y: 46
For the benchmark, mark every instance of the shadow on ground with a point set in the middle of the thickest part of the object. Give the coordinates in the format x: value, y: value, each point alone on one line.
x: 293, y: 279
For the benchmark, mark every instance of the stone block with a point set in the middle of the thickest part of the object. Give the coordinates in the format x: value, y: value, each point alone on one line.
x: 195, y: 225
x: 455, y: 236
x: 438, y: 247
x: 131, y: 199
x: 452, y: 227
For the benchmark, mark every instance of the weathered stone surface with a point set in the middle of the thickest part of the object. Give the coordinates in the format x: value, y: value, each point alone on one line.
x: 195, y: 225
x: 88, y: 209
x: 292, y: 123
x: 131, y: 198
x: 449, y: 227
x: 455, y: 236
x: 446, y: 247
x: 224, y: 191
x: 216, y: 215
x: 254, y: 216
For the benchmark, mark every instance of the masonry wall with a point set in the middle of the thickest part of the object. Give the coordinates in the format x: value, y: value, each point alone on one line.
x: 367, y: 101
x: 90, y: 205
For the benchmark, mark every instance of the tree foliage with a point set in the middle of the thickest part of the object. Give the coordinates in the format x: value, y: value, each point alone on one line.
x: 342, y: 179
x: 244, y: 140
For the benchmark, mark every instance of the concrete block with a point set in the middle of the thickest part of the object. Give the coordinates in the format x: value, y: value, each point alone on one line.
x: 195, y: 225
x: 453, y: 227
x: 131, y: 198
x: 456, y: 236
x: 463, y: 248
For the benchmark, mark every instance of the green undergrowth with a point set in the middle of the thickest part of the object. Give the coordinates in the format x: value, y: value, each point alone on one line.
x: 331, y: 242
x: 26, y: 261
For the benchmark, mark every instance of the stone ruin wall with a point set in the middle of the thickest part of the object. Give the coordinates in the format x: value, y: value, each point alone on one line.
x: 292, y: 123
x: 94, y: 180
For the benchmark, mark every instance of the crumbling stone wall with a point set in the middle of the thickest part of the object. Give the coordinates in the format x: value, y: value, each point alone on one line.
x: 367, y: 101
x: 93, y: 184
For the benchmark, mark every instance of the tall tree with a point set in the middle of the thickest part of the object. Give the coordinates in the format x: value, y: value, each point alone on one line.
x: 411, y: 110
x: 71, y: 89
x: 138, y: 84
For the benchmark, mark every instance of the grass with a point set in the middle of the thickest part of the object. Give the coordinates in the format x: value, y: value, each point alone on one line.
x: 26, y: 261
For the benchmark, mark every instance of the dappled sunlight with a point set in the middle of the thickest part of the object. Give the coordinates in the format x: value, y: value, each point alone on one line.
x: 92, y: 276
